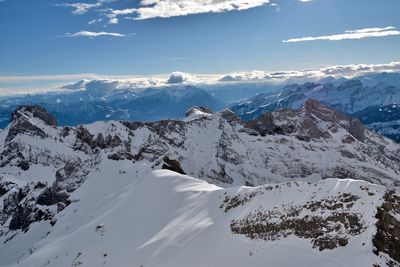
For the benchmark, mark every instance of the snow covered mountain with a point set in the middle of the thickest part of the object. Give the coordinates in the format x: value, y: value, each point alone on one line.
x: 370, y: 98
x: 87, y: 101
x: 109, y: 193
x: 350, y: 97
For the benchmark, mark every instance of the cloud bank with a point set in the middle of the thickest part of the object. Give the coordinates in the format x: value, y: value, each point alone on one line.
x: 346, y: 71
x: 350, y: 35
x: 24, y: 84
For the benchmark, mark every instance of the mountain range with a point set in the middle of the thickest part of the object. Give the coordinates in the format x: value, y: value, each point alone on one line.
x: 308, y: 186
x: 371, y: 98
x: 90, y: 101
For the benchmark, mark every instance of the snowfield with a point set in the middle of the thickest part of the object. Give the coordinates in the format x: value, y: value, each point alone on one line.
x: 131, y: 216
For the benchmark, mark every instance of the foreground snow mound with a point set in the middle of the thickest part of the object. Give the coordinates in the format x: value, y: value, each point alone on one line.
x: 128, y: 215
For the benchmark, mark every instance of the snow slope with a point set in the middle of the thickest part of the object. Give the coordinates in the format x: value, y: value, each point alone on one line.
x: 160, y: 218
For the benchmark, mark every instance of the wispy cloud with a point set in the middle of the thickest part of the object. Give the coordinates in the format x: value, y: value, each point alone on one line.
x: 93, y: 21
x: 114, y: 13
x: 149, y: 9
x: 350, y: 35
x: 94, y: 34
x: 80, y: 8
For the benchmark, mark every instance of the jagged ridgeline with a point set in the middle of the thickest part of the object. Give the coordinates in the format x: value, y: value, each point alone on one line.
x: 51, y: 174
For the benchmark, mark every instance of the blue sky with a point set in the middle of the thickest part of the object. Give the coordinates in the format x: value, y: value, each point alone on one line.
x: 54, y: 37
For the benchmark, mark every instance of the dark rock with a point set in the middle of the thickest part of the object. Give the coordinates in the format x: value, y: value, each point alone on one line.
x: 68, y: 170
x: 83, y: 136
x: 122, y: 155
x: 264, y: 124
x: 48, y: 197
x: 5, y: 187
x: 230, y: 116
x: 23, y: 126
x: 357, y: 129
x: 23, y: 164
x: 172, y: 165
x: 386, y: 239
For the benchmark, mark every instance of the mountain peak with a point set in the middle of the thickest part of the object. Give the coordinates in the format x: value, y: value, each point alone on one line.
x: 33, y: 111
x: 29, y: 119
x: 325, y: 113
x: 315, y: 107
x: 196, y: 112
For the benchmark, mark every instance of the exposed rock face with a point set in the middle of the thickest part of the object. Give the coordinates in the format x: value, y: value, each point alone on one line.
x: 172, y: 165
x: 306, y: 122
x: 353, y: 125
x: 35, y: 112
x: 325, y: 232
x: 386, y: 240
x: 328, y: 219
x: 230, y: 116
x: 21, y: 121
x: 5, y: 186
x: 19, y: 207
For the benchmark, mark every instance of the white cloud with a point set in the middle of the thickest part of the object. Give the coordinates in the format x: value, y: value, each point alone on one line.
x: 179, y: 77
x: 114, y: 13
x: 350, y: 35
x: 149, y: 9
x: 81, y: 8
x: 94, y: 34
x: 355, y: 70
x: 93, y: 21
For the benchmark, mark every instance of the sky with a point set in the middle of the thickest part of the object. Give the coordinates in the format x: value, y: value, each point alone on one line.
x: 150, y: 37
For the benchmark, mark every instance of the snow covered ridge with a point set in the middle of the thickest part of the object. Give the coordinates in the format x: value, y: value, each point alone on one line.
x: 65, y: 191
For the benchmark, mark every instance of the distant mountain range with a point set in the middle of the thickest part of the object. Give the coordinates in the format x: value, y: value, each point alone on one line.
x: 373, y: 98
x: 102, y: 101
